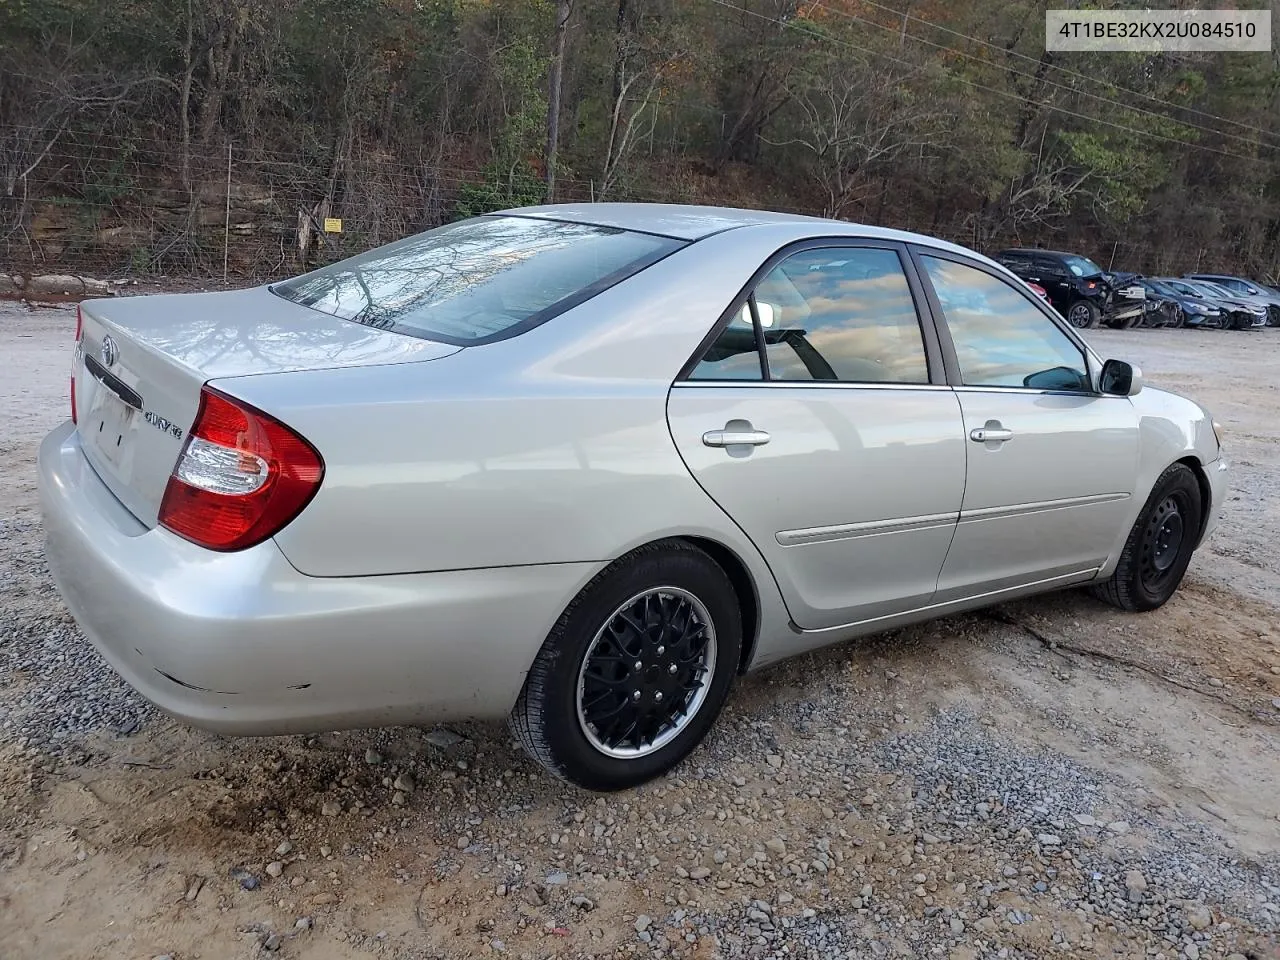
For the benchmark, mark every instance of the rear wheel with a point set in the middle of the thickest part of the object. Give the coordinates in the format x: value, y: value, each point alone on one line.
x: 1083, y: 315
x: 1159, y: 546
x: 636, y: 670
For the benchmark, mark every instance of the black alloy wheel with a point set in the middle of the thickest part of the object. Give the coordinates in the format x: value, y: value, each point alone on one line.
x: 635, y: 671
x: 1083, y: 315
x: 646, y: 673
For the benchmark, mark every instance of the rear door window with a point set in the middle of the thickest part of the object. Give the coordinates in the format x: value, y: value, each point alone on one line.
x: 477, y: 280
x: 831, y: 313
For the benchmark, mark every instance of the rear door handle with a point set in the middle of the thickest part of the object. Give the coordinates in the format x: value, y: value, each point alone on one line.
x: 729, y: 438
x: 990, y: 434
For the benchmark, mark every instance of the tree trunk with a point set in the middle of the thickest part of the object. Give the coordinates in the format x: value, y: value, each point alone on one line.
x: 564, y: 9
x: 620, y: 50
x: 184, y: 102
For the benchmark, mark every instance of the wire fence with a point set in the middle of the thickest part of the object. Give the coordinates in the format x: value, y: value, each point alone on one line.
x: 120, y: 207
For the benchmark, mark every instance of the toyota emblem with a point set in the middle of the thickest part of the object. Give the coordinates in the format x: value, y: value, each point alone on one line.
x: 110, y: 352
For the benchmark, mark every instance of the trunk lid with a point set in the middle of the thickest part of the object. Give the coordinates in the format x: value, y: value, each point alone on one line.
x: 141, y: 363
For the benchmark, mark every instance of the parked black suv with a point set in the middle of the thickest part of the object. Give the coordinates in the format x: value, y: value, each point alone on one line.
x: 1078, y: 287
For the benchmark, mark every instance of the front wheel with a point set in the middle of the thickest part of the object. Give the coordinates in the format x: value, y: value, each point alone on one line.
x: 1159, y: 546
x: 1083, y: 315
x: 636, y: 670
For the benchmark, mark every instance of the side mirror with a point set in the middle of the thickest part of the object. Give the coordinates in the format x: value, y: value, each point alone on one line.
x: 1120, y: 379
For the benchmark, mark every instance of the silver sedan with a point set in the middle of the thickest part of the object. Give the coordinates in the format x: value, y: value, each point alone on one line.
x: 583, y: 465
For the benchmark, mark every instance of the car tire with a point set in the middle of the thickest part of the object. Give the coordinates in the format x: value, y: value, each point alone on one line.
x: 1159, y: 546
x: 668, y: 604
x: 1083, y: 315
x: 1179, y: 318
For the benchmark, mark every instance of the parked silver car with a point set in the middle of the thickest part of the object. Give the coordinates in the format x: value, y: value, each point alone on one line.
x: 582, y: 465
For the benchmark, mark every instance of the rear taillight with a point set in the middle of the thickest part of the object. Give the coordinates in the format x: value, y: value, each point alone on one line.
x: 242, y: 476
x: 76, y: 362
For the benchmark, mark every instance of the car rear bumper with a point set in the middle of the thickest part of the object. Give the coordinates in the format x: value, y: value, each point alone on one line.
x: 243, y: 643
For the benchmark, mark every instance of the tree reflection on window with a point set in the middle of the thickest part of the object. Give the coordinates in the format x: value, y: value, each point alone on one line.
x: 478, y: 279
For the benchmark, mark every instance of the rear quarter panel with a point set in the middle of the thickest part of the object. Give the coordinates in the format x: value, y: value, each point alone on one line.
x: 550, y: 447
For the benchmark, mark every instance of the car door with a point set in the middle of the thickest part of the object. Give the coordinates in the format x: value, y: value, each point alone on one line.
x: 1051, y: 462
x: 817, y: 416
x: 1056, y: 281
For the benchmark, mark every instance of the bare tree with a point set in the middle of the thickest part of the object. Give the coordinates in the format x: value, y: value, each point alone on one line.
x: 755, y: 82
x: 849, y: 122
x: 640, y: 67
x: 564, y: 10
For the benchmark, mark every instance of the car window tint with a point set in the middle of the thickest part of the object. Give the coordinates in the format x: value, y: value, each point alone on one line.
x: 734, y: 355
x: 1001, y: 339
x: 477, y: 279
x: 841, y: 314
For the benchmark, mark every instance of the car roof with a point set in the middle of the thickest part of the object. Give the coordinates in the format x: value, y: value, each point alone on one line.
x: 1039, y: 252
x: 689, y: 222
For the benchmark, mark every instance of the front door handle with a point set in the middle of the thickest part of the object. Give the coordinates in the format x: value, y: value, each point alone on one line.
x: 990, y: 434
x: 730, y: 438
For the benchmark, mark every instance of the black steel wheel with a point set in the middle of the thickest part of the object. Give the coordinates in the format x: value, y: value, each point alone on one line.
x: 1159, y: 545
x: 1162, y: 541
x: 635, y: 671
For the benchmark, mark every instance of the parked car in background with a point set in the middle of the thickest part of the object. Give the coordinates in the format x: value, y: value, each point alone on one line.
x: 1132, y: 308
x: 583, y: 465
x: 1237, y: 314
x: 1181, y: 307
x: 1077, y: 287
x: 1245, y: 290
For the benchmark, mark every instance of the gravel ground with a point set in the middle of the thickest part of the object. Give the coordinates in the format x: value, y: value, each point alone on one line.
x: 1050, y: 778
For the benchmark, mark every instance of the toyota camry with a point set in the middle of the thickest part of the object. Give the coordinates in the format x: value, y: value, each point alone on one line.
x: 581, y: 466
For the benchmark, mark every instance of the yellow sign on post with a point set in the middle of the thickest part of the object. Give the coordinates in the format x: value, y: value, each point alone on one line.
x: 332, y: 224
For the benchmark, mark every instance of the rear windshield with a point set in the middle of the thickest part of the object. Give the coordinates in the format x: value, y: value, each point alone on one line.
x: 477, y: 280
